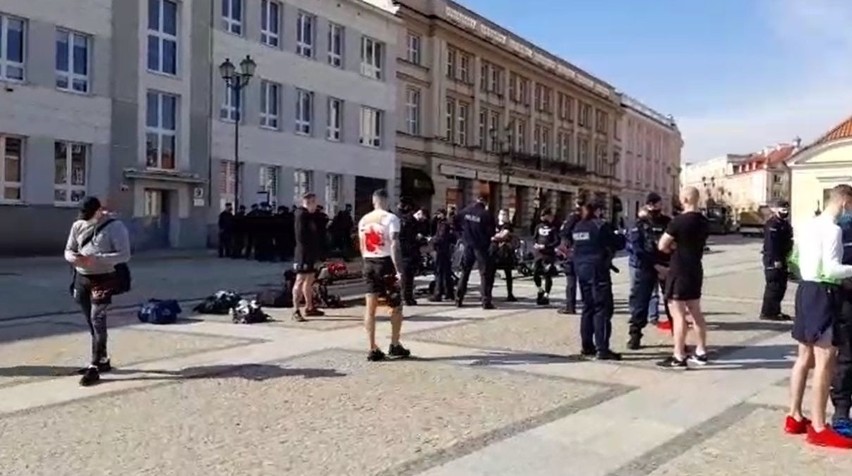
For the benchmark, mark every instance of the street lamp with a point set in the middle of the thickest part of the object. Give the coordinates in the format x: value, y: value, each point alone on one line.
x: 237, y: 81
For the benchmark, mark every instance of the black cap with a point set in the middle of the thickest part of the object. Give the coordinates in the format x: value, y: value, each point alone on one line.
x: 88, y: 207
x: 653, y: 198
x: 780, y: 203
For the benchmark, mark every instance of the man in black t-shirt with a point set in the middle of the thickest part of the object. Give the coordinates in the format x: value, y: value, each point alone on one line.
x: 308, y: 253
x: 685, y: 239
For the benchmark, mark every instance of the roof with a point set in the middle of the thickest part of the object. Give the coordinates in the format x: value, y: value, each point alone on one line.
x: 773, y: 156
x: 841, y: 131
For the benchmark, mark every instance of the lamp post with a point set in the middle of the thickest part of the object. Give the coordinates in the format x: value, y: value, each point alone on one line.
x: 237, y: 81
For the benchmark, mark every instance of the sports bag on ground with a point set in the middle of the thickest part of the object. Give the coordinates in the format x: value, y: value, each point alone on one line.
x: 157, y: 311
x: 275, y: 298
x: 248, y: 312
x: 219, y: 303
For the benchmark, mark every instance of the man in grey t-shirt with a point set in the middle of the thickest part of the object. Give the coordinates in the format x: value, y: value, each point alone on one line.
x: 96, y: 244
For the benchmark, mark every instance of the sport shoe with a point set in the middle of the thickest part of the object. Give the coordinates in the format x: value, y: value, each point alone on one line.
x: 796, y: 427
x: 698, y: 359
x: 488, y: 306
x: 607, y: 355
x: 398, y: 351
x: 376, y: 355
x: 90, y: 377
x: 672, y: 362
x: 540, y: 300
x: 297, y: 316
x: 828, y: 438
x: 843, y: 426
x: 511, y: 298
x: 103, y: 367
x: 566, y: 311
x: 635, y: 343
x: 313, y: 313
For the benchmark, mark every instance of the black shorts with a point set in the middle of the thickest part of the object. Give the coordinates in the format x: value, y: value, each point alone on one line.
x: 818, y: 308
x: 684, y: 287
x: 304, y: 264
x: 379, y: 276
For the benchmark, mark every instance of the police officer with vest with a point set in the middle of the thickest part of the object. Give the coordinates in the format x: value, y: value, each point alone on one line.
x: 476, y: 226
x: 565, y: 230
x: 646, y: 264
x: 777, y: 245
x: 594, y: 244
x: 409, y: 249
x: 443, y: 242
x: 841, y: 384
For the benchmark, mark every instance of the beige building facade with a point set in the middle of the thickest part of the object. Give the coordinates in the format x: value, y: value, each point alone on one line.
x: 652, y: 145
x: 483, y: 111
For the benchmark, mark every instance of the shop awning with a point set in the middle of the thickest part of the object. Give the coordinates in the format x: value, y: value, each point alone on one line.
x: 416, y: 182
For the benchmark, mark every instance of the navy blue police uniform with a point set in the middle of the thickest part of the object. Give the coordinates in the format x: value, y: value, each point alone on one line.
x: 777, y: 245
x: 503, y: 256
x: 565, y: 231
x: 410, y: 251
x: 644, y: 256
x: 595, y: 243
x: 476, y: 226
x: 841, y: 384
x: 443, y: 242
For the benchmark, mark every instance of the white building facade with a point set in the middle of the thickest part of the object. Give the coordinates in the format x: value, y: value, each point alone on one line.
x: 319, y: 113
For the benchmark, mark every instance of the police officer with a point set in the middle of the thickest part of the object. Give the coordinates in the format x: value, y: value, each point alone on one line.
x: 594, y: 245
x: 545, y: 241
x: 841, y: 384
x: 777, y: 245
x: 410, y: 250
x: 476, y: 227
x: 565, y: 230
x: 443, y: 243
x: 647, y: 264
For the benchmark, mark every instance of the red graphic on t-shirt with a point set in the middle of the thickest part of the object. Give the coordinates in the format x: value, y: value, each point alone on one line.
x: 373, y: 240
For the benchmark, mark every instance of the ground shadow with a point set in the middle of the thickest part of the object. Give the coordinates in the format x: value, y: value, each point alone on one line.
x: 496, y: 357
x: 745, y: 326
x: 754, y: 358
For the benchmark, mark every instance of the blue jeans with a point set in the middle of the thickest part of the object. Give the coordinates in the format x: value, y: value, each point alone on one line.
x: 654, y: 304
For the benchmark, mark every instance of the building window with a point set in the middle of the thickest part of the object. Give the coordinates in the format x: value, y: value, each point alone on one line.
x: 268, y: 182
x: 270, y: 23
x: 270, y: 94
x: 232, y: 105
x: 335, y: 45
x: 12, y: 37
x: 464, y: 68
x: 496, y: 80
x: 616, y: 130
x: 601, y: 121
x: 227, y: 182
x: 524, y: 92
x: 584, y: 152
x: 544, y: 147
x: 494, y: 130
x: 484, y: 69
x: 69, y: 176
x: 162, y: 36
x: 371, y: 127
x: 461, y: 124
x: 232, y: 16
x: 303, y: 182
x: 451, y: 63
x: 412, y: 111
x: 483, y: 129
x: 539, y: 104
x: 161, y: 130
x: 305, y: 35
x: 450, y: 129
x: 304, y: 111
x: 371, y: 58
x: 11, y: 172
x: 335, y: 119
x: 513, y: 87
x: 600, y: 159
x: 413, y: 52
x: 72, y: 61
x: 564, y: 146
x: 333, y: 193
x: 521, y: 135
x: 585, y: 119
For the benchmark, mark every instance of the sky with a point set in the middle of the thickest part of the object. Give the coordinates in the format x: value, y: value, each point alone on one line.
x: 738, y: 75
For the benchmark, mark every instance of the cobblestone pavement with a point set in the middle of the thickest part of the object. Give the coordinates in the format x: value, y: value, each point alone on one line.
x: 489, y: 393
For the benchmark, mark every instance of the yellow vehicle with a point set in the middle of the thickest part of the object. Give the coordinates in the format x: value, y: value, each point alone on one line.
x: 751, y: 222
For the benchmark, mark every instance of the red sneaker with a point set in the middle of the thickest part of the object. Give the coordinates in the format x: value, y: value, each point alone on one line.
x: 664, y: 325
x: 796, y: 427
x: 828, y: 438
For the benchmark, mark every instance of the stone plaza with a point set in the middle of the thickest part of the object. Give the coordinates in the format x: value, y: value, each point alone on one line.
x: 489, y: 393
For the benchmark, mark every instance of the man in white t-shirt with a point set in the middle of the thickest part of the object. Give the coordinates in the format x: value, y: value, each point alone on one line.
x: 378, y: 233
x: 817, y: 256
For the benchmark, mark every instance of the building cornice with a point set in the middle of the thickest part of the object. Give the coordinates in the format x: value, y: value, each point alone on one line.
x: 386, y: 9
x: 799, y: 160
x: 634, y: 105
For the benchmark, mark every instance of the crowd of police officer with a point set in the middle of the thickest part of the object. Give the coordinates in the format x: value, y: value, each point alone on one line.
x: 267, y: 234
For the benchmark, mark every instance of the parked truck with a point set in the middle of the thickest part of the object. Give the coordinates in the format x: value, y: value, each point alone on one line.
x: 751, y: 222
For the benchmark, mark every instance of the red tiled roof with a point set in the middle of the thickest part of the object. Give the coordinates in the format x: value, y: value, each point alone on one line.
x: 775, y: 156
x: 841, y: 131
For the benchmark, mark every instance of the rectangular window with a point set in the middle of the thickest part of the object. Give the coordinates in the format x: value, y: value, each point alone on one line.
x: 371, y: 58
x: 546, y: 105
x: 521, y: 136
x: 413, y: 55
x: 464, y: 68
x: 601, y: 121
x: 232, y: 105
x: 544, y: 148
x: 536, y: 140
x: 585, y: 119
x: 303, y: 182
x: 538, y: 98
x: 232, y: 16
x: 335, y: 45
x: 270, y: 23
x: 270, y: 94
x: 583, y: 156
x: 305, y: 35
x: 484, y: 69
x: 496, y: 80
x: 268, y: 182
x: 524, y: 92
x: 335, y: 119
x: 494, y: 130
x: 333, y: 193
x: 371, y: 127
x: 412, y: 111
x: 461, y: 134
x: 71, y: 162
x: 161, y: 130
x: 451, y: 63
x: 12, y: 149
x: 483, y: 129
x: 227, y: 182
x: 513, y: 87
x: 450, y: 130
x: 162, y: 36
x: 304, y: 111
x: 12, y: 44
x: 72, y: 61
x: 564, y: 146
